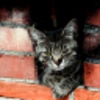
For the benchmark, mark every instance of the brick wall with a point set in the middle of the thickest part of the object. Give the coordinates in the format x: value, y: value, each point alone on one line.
x: 17, y: 72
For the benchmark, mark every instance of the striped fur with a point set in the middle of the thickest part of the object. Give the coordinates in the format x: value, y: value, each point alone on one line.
x: 58, y: 62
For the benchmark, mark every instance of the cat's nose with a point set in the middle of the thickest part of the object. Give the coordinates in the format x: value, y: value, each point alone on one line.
x: 58, y: 62
x: 57, y: 59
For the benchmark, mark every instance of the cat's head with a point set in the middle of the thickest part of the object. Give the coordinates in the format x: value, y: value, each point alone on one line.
x: 60, y: 54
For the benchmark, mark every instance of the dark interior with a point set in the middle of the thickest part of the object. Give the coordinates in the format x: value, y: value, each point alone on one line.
x: 64, y: 10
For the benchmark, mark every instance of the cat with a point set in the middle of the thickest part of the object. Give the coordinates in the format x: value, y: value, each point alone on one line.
x: 58, y: 62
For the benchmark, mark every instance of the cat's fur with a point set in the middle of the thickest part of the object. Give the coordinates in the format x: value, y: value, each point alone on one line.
x: 58, y: 61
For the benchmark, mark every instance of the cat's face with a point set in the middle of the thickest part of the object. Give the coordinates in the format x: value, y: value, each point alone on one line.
x: 60, y: 54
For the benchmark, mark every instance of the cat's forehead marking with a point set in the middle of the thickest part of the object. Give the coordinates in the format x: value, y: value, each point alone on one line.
x: 56, y: 47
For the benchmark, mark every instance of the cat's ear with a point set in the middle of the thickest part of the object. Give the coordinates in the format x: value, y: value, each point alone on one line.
x: 36, y: 35
x: 71, y: 29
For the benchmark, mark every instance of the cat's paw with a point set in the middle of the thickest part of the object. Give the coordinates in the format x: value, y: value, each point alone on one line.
x: 58, y: 95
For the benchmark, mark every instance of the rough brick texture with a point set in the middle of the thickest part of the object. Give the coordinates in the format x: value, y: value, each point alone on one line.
x: 94, y: 18
x: 91, y: 69
x: 14, y: 66
x: 38, y: 92
x: 92, y: 74
x: 83, y: 94
x: 24, y: 67
x: 26, y: 91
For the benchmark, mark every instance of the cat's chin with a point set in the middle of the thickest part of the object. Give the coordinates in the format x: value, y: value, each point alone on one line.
x: 57, y: 69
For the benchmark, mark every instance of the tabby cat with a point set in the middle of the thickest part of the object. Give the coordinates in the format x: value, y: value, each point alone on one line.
x: 58, y: 61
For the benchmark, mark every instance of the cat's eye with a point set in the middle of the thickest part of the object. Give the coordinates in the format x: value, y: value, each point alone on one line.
x: 66, y: 51
x: 64, y: 47
x: 46, y: 57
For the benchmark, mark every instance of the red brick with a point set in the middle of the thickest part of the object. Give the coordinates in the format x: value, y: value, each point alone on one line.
x: 83, y: 94
x: 26, y: 91
x: 17, y: 67
x: 92, y: 74
x: 17, y: 15
x: 15, y: 39
x: 14, y: 66
x: 94, y: 18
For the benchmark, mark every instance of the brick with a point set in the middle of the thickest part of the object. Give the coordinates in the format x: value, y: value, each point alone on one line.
x: 84, y: 94
x: 94, y: 18
x: 92, y: 74
x: 26, y: 91
x: 13, y: 66
x: 17, y: 15
x: 17, y: 67
x: 15, y: 39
